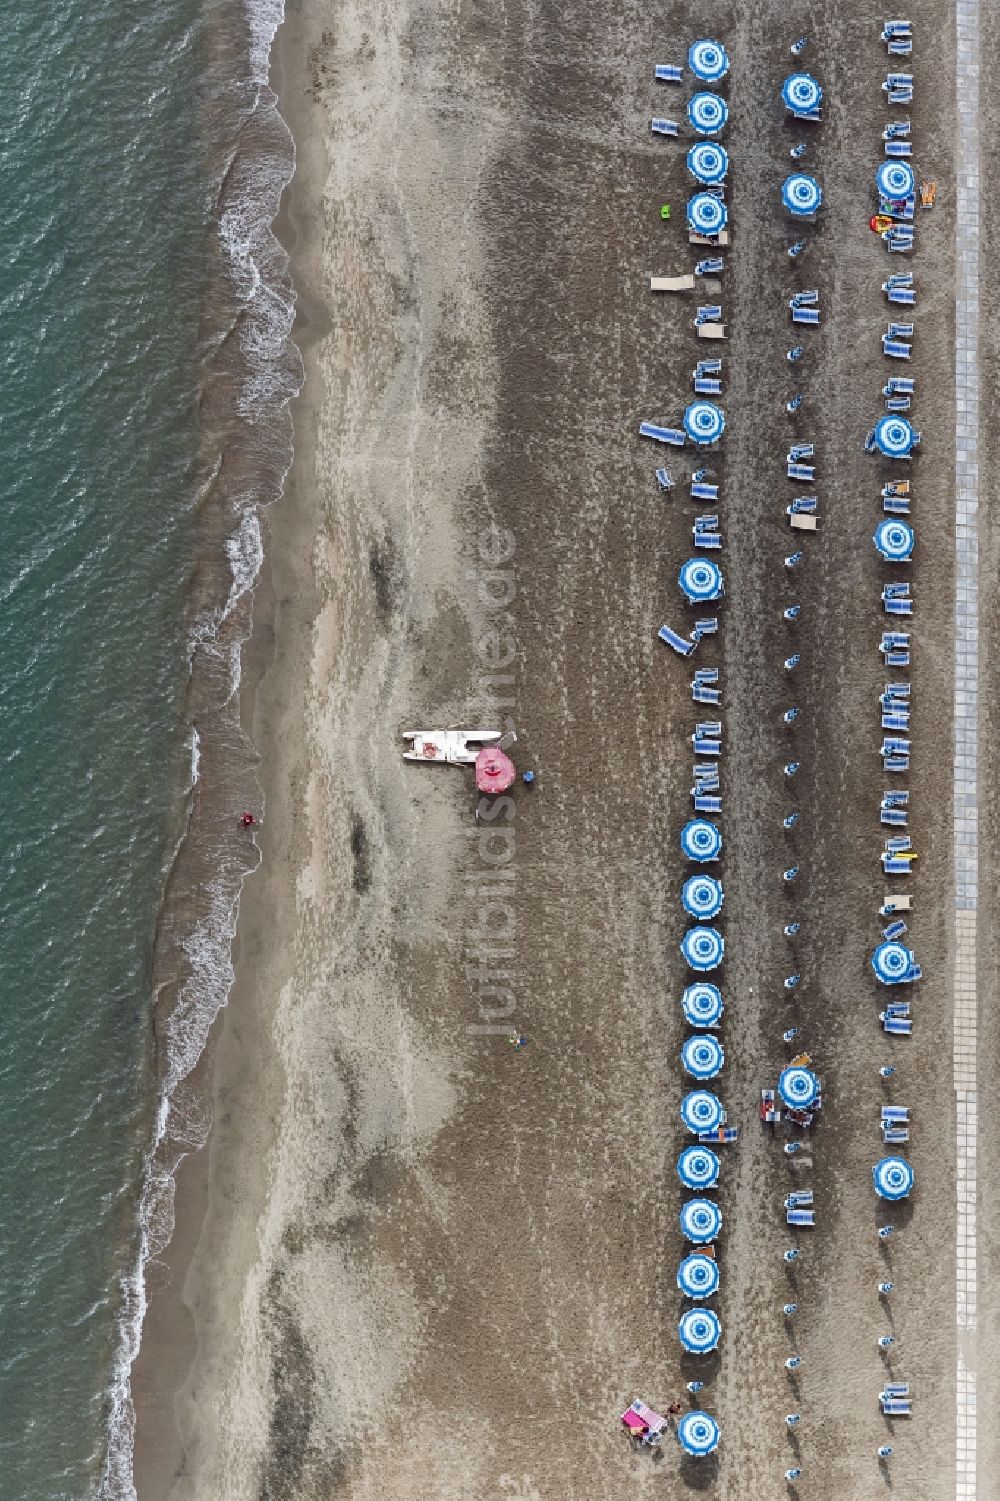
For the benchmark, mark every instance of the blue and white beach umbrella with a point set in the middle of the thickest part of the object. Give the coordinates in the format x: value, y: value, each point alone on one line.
x: 798, y: 1087
x: 702, y: 1056
x: 698, y: 1276
x: 801, y: 93
x: 895, y: 180
x: 703, y: 948
x: 704, y: 422
x: 708, y: 162
x: 698, y: 1433
x: 707, y: 113
x: 702, y: 1004
x: 708, y: 60
x: 701, y: 1221
x: 701, y: 1110
x: 895, y: 540
x: 893, y: 1178
x: 701, y: 840
x: 894, y: 436
x: 699, y: 1330
x: 698, y: 1168
x: 706, y: 214
x: 701, y: 580
x: 801, y: 195
x: 893, y: 963
x: 702, y: 896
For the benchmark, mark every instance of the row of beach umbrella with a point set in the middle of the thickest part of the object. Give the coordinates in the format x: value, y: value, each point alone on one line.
x: 893, y: 436
x: 702, y: 895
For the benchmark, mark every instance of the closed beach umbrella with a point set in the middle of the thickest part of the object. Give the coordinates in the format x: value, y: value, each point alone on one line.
x: 698, y: 1433
x: 708, y: 162
x: 707, y: 113
x: 703, y: 1056
x: 702, y: 1004
x: 703, y: 948
x: 801, y: 93
x: 801, y: 195
x: 702, y: 896
x: 699, y: 1330
x: 704, y: 422
x: 894, y: 437
x: 798, y: 1087
x: 895, y: 540
x: 893, y: 963
x: 701, y: 840
x: 895, y: 180
x: 701, y: 1221
x: 893, y: 1178
x: 701, y: 1110
x: 698, y: 1168
x: 706, y: 214
x: 698, y: 1276
x: 708, y: 60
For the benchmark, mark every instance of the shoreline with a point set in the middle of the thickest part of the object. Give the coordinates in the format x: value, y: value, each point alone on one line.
x: 170, y: 1338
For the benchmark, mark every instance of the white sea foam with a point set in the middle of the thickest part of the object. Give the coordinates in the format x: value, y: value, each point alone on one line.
x: 258, y: 267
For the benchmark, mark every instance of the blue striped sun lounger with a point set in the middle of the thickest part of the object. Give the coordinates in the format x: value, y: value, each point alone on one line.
x: 702, y: 491
x: 897, y: 404
x: 902, y: 296
x: 661, y: 127
x: 669, y: 73
x: 706, y: 804
x: 679, y: 643
x: 805, y: 315
x: 672, y: 435
x: 802, y: 471
x: 707, y: 386
x: 895, y: 349
x: 706, y: 627
x: 664, y: 479
x: 897, y: 148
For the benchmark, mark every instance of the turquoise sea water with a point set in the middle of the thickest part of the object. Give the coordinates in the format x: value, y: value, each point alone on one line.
x: 108, y: 245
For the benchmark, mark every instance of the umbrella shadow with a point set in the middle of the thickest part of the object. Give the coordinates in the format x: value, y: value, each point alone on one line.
x: 700, y: 1474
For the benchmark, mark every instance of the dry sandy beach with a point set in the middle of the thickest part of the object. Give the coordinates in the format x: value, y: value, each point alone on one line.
x: 412, y: 1262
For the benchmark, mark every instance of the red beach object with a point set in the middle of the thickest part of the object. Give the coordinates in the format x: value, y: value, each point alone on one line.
x: 494, y: 770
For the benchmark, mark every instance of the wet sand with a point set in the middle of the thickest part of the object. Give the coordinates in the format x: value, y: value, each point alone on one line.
x: 413, y: 1261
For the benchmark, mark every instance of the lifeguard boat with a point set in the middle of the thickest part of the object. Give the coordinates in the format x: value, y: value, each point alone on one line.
x: 450, y: 747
